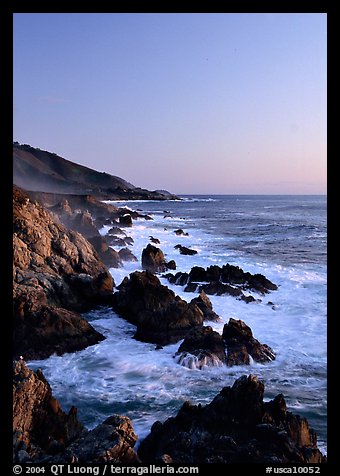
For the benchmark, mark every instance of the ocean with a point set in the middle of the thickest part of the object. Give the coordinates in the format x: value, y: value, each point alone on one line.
x: 282, y: 237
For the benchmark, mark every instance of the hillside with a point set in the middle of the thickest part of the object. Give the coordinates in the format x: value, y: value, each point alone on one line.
x: 43, y: 171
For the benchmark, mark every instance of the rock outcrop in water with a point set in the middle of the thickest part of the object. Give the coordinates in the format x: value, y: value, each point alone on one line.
x: 204, y: 303
x: 161, y: 317
x: 236, y: 427
x: 227, y: 279
x: 204, y: 347
x: 153, y: 260
x: 185, y: 251
x: 56, y: 275
x: 43, y: 432
x: 242, y: 346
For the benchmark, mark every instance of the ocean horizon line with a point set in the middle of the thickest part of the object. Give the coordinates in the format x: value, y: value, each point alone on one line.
x: 252, y: 194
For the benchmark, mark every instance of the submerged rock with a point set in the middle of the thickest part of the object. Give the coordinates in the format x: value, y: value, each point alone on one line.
x: 185, y: 251
x: 161, y: 317
x: 236, y: 427
x: 181, y: 232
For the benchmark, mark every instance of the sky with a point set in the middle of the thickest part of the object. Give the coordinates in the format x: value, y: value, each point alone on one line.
x: 193, y: 103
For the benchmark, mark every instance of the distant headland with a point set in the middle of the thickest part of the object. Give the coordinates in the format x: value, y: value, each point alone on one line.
x: 42, y: 171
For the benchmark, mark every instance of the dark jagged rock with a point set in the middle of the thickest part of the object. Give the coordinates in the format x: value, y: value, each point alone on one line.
x: 57, y: 274
x: 111, y: 441
x: 109, y: 256
x: 196, y: 275
x: 126, y: 255
x: 129, y: 240
x: 204, y: 303
x: 202, y: 347
x: 185, y: 251
x: 83, y: 223
x: 43, y: 432
x: 153, y: 259
x: 233, y: 275
x: 115, y: 240
x: 115, y: 230
x: 154, y: 240
x: 248, y: 299
x: 125, y: 220
x: 260, y: 283
x: 191, y: 288
x: 236, y: 427
x: 227, y: 279
x: 101, y: 221
x: 161, y: 317
x: 52, y: 330
x: 39, y: 423
x: 171, y: 264
x: 218, y: 288
x: 241, y: 344
x: 179, y: 278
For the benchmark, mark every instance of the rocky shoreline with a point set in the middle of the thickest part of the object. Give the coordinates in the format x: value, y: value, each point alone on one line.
x: 60, y: 270
x: 236, y: 427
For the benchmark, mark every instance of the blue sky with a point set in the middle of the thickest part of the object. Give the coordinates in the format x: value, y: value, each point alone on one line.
x: 192, y: 103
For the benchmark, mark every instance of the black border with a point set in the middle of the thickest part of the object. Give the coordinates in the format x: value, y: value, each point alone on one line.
x: 6, y: 107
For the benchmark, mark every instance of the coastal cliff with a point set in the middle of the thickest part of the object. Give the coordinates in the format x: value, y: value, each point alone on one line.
x: 56, y: 274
